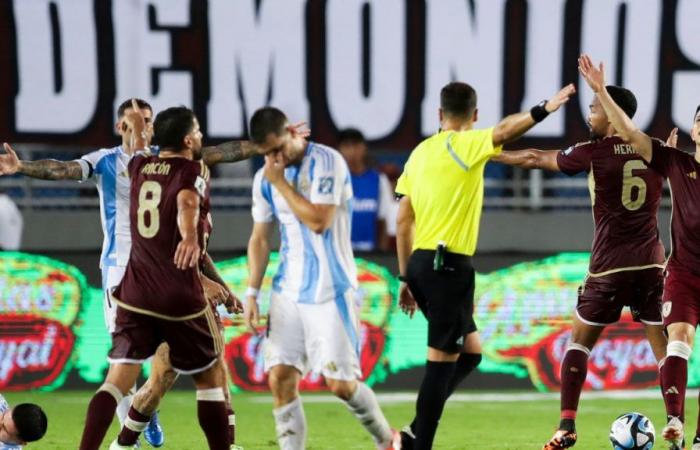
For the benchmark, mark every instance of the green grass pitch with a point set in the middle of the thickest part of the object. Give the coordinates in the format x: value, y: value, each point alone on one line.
x: 479, y: 425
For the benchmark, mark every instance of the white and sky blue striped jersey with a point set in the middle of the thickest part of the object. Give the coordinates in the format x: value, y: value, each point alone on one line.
x: 108, y: 168
x: 4, y: 407
x: 314, y: 268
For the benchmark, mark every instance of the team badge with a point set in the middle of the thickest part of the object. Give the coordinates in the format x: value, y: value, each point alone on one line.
x: 325, y: 185
x: 666, y: 309
x: 200, y: 185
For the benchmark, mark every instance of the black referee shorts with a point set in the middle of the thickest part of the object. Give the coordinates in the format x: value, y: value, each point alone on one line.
x: 445, y: 298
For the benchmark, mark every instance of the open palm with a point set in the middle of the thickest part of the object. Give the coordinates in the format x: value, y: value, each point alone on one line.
x: 9, y: 162
x: 594, y: 76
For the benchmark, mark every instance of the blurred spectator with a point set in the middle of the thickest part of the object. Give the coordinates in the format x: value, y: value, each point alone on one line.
x: 372, y: 192
x: 392, y: 172
x: 10, y: 224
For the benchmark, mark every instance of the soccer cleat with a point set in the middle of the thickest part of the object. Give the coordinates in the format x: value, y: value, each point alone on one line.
x: 673, y: 433
x: 395, y: 443
x: 561, y: 439
x: 115, y: 446
x: 154, y: 432
x: 236, y: 447
x: 407, y: 438
x: 696, y: 443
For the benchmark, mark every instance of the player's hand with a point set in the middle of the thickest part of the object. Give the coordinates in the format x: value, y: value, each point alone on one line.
x: 407, y: 302
x: 251, y: 314
x: 135, y: 123
x: 233, y: 304
x: 213, y: 291
x: 187, y: 254
x: 299, y: 129
x: 560, y: 98
x: 9, y: 162
x: 594, y: 76
x: 672, y: 140
x: 274, y: 167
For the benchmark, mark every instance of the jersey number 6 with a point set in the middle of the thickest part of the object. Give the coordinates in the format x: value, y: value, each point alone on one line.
x: 629, y: 181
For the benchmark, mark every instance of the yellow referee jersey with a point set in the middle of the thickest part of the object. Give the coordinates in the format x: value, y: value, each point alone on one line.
x: 444, y: 177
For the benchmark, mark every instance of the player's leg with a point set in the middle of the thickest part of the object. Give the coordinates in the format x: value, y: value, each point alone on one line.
x: 285, y: 362
x: 333, y: 348
x: 120, y: 378
x: 145, y: 403
x: 211, y: 406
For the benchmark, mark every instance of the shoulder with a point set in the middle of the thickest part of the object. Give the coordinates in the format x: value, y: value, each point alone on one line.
x: 324, y: 155
x: 97, y: 155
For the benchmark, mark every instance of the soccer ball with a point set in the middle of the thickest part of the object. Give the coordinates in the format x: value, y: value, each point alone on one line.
x: 632, y: 431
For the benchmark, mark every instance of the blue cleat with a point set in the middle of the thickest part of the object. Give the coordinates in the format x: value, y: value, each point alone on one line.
x: 154, y: 432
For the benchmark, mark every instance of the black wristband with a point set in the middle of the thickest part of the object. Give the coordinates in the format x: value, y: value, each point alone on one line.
x: 402, y: 278
x: 539, y: 112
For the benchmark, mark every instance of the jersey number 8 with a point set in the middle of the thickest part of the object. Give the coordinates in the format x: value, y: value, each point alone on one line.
x: 629, y: 181
x: 149, y: 199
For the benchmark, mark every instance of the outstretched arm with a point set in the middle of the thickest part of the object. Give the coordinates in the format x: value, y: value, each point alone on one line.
x: 515, y: 125
x: 625, y: 128
x: 529, y: 159
x: 228, y: 152
x: 45, y: 169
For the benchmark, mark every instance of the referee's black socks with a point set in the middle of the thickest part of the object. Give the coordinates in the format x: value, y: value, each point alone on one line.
x: 431, y: 400
x: 466, y: 363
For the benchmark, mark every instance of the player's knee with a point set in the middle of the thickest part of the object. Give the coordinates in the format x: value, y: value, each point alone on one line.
x: 342, y: 389
x: 283, y: 387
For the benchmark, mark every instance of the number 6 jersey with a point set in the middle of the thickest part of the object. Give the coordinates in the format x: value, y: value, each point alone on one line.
x: 625, y: 196
x: 152, y: 283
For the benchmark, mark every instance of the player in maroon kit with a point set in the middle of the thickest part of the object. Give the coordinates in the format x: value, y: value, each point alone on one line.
x: 681, y: 299
x: 627, y: 257
x: 161, y: 297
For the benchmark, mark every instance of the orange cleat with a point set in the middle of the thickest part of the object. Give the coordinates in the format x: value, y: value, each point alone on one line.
x: 561, y: 439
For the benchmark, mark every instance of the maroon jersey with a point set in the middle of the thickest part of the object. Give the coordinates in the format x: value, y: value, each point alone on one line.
x: 152, y: 283
x: 625, y: 196
x: 682, y: 170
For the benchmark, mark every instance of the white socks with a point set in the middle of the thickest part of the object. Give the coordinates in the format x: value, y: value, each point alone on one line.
x: 290, y: 425
x: 124, y: 405
x: 363, y: 404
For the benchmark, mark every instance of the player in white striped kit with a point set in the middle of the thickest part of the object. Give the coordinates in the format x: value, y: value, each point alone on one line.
x: 312, y: 322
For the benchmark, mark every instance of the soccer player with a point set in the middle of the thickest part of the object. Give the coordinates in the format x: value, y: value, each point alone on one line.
x: 312, y: 320
x: 437, y: 229
x: 161, y: 297
x: 107, y: 168
x: 20, y: 425
x: 627, y: 259
x: 681, y: 298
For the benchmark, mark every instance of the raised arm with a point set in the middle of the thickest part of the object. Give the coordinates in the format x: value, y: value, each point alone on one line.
x: 229, y: 152
x: 45, y: 169
x: 529, y: 159
x: 188, y: 251
x: 624, y: 127
x: 515, y: 125
x: 258, y: 257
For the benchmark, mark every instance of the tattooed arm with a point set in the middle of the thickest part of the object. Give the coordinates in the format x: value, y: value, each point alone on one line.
x: 228, y: 152
x: 46, y: 169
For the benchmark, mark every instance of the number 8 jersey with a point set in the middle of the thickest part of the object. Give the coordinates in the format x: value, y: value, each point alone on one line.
x: 625, y: 196
x: 152, y: 284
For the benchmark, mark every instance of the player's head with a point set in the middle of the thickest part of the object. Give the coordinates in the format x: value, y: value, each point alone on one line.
x: 270, y: 130
x: 125, y: 108
x: 352, y: 145
x: 597, y: 119
x: 458, y: 102
x: 695, y: 129
x: 177, y: 129
x: 24, y: 423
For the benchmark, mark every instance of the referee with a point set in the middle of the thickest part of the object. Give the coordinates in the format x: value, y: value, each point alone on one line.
x: 441, y: 190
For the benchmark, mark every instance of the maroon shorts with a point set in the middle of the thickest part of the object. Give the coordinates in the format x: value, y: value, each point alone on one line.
x: 681, y: 297
x: 601, y: 299
x: 194, y: 344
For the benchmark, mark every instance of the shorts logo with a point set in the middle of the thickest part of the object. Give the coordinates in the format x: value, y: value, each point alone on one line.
x: 332, y: 367
x: 460, y: 341
x: 666, y: 309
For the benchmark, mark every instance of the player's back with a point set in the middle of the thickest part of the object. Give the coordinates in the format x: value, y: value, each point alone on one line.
x: 152, y: 283
x: 625, y: 196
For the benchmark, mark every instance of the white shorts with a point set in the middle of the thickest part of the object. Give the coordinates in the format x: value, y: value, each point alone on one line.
x: 322, y: 338
x: 111, y: 277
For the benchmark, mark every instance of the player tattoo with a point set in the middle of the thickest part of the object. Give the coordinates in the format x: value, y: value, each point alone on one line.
x: 226, y: 152
x: 51, y: 169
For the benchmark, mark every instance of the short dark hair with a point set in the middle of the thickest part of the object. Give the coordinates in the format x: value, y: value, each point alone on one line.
x: 143, y: 104
x: 351, y: 136
x: 624, y: 98
x: 265, y: 121
x: 30, y: 420
x: 458, y: 99
x: 171, y: 126
x: 697, y: 111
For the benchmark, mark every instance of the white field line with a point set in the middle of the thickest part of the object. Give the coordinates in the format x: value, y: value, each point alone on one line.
x: 408, y: 397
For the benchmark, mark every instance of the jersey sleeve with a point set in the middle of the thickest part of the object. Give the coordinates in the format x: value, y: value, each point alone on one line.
x: 89, y: 163
x: 195, y: 178
x: 661, y: 157
x: 385, y: 197
x: 328, y: 180
x: 575, y: 159
x: 403, y: 184
x: 473, y: 146
x: 262, y: 210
